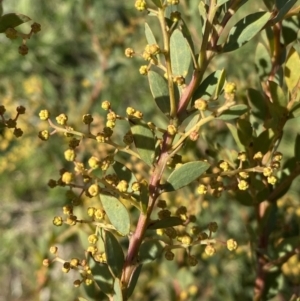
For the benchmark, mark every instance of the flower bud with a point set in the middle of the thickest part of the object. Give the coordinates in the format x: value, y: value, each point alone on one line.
x: 210, y: 250
x: 67, y: 177
x: 62, y: 119
x: 94, y: 190
x: 140, y: 5
x: 23, y: 49
x: 105, y: 105
x: 36, y: 27
x: 201, y: 104
x: 169, y: 255
x: 44, y: 114
x: 129, y: 52
x: 70, y: 155
x: 231, y: 244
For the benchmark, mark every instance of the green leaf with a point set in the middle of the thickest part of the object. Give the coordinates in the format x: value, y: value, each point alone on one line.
x: 289, y: 32
x: 92, y: 291
x: 297, y: 148
x: 287, y: 245
x: 171, y: 221
x: 220, y: 83
x: 221, y: 2
x: 185, y: 174
x: 186, y: 33
x: 262, y: 194
x: 244, y: 30
x: 295, y: 111
x: 149, y: 35
x: 133, y: 280
x: 150, y: 250
x: 160, y: 91
x: 291, y: 70
x: 257, y: 103
x: 283, y: 6
x: 157, y: 3
x: 124, y: 173
x: 274, y: 284
x: 116, y: 212
x: 211, y: 87
x: 114, y: 254
x: 117, y: 296
x: 180, y: 54
x: 263, y: 142
x: 233, y: 130
x: 278, y: 97
x: 192, y: 122
x: 202, y: 10
x: 263, y: 62
x: 144, y: 197
x: 278, y: 105
x: 269, y: 4
x: 101, y: 275
x: 12, y: 20
x: 244, y: 131
x: 233, y: 112
x: 143, y: 140
x: 244, y: 198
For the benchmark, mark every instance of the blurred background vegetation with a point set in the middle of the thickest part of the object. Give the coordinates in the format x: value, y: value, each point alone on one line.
x: 75, y: 63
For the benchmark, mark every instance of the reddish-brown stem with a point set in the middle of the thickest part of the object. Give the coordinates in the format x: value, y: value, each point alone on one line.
x: 190, y: 89
x: 138, y: 235
x: 261, y: 260
x: 279, y: 261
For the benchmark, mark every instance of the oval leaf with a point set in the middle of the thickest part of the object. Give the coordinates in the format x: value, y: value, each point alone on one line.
x: 186, y: 33
x: 118, y: 296
x: 284, y: 9
x: 144, y: 197
x: 234, y: 112
x: 116, y: 212
x: 244, y: 132
x: 143, y: 140
x: 185, y: 174
x: 278, y: 97
x: 264, y: 141
x: 295, y: 111
x: 234, y: 132
x: 149, y: 35
x: 192, y: 122
x: 133, y: 280
x: 124, y: 173
x: 263, y: 62
x: 211, y: 87
x: 291, y: 70
x: 221, y: 2
x: 244, y: 198
x: 114, y: 254
x: 180, y: 53
x: 160, y: 92
x: 101, y: 274
x: 257, y: 103
x: 244, y: 30
x: 12, y: 20
x: 150, y: 250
